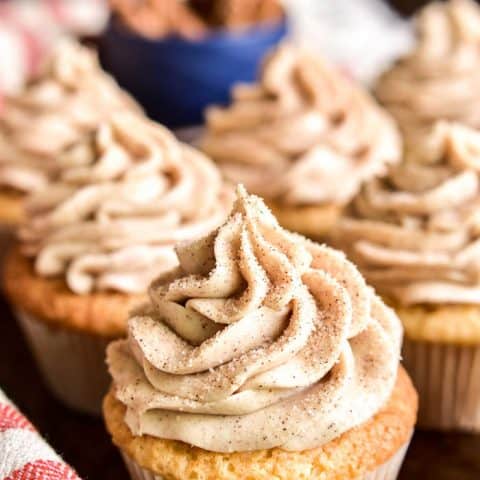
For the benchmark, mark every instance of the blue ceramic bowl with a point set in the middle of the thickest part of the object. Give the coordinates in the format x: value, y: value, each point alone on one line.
x: 175, y: 78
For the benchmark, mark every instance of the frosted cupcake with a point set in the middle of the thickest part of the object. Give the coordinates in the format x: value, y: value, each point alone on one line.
x: 298, y: 134
x: 263, y: 355
x: 61, y: 106
x: 439, y: 79
x: 415, y: 235
x: 96, y: 237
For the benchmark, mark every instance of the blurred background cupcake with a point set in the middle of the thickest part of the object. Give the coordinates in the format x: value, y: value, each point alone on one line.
x: 178, y: 57
x: 58, y: 107
x: 439, y: 78
x: 304, y: 137
x: 415, y: 235
x: 96, y: 236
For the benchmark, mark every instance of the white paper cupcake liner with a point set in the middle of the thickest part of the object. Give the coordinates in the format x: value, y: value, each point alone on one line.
x: 72, y: 363
x: 390, y: 469
x: 387, y: 471
x: 447, y: 378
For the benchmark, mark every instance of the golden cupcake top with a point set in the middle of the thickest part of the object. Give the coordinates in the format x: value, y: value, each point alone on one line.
x: 300, y: 131
x: 415, y: 234
x: 439, y: 79
x: 121, y: 200
x: 54, y: 111
x: 259, y: 339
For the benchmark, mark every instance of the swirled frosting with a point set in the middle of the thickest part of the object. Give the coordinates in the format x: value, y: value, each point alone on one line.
x: 259, y: 339
x: 123, y: 198
x: 54, y: 111
x: 415, y: 234
x: 439, y: 79
x: 301, y: 131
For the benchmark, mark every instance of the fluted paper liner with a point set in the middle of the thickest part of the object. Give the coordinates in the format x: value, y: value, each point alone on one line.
x: 447, y: 378
x: 390, y: 469
x: 72, y: 363
x: 387, y: 471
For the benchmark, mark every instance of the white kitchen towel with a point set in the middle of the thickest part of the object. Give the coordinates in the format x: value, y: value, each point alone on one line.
x: 24, y: 454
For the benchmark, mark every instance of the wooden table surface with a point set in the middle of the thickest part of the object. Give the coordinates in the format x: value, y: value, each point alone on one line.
x: 84, y: 443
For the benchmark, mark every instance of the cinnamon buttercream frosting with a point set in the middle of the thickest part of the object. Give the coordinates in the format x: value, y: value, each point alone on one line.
x: 439, y: 79
x: 301, y: 132
x: 259, y: 339
x: 55, y: 110
x: 121, y: 201
x: 415, y: 234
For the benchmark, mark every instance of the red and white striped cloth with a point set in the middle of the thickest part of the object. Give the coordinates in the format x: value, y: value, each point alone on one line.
x: 29, y: 28
x: 24, y: 454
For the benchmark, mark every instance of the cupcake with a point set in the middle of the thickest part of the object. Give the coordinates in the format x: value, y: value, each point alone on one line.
x: 439, y: 79
x: 298, y: 134
x: 96, y: 237
x: 415, y: 236
x: 262, y: 355
x: 55, y: 110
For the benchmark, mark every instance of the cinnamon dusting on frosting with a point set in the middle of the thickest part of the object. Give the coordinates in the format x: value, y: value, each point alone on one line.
x: 259, y: 339
x: 122, y: 199
x: 300, y: 132
x: 415, y: 234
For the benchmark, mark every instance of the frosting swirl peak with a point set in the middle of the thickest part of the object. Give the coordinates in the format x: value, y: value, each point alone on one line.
x: 121, y: 200
x: 415, y: 234
x: 54, y: 111
x: 259, y: 339
x: 298, y: 132
x: 439, y: 79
